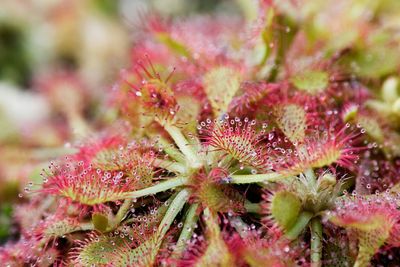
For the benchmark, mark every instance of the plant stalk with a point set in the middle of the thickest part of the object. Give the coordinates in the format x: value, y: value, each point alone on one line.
x: 160, y: 187
x: 173, y: 210
x: 187, y: 230
x: 298, y: 227
x: 174, y: 167
x: 183, y: 144
x: 123, y: 210
x: 316, y: 244
x: 171, y: 150
x: 153, y: 244
x: 256, y: 178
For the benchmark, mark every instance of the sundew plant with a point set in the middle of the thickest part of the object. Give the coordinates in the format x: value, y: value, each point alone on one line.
x: 268, y: 139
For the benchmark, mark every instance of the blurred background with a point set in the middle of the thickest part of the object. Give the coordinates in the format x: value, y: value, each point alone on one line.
x: 58, y: 59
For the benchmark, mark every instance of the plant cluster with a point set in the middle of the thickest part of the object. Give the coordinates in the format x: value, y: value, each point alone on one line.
x: 266, y: 142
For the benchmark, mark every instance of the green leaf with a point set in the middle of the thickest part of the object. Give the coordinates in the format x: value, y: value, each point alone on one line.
x: 312, y: 82
x: 221, y: 85
x: 375, y: 62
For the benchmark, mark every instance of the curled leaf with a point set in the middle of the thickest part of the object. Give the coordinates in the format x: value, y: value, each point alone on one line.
x: 285, y: 208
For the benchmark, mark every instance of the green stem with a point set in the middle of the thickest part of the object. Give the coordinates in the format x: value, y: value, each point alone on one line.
x: 171, y: 150
x: 152, y: 246
x: 123, y: 210
x: 298, y: 227
x: 149, y: 249
x: 174, y: 167
x: 183, y: 144
x: 187, y: 230
x: 256, y: 178
x: 173, y: 210
x: 252, y: 207
x: 316, y: 245
x: 160, y: 187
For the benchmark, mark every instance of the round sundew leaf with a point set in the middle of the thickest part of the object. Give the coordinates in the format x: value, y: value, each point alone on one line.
x: 365, y: 224
x: 108, y: 160
x: 89, y: 186
x: 369, y: 244
x: 370, y: 219
x: 291, y: 119
x: 142, y: 256
x: 371, y: 233
x: 96, y: 251
x: 285, y: 208
x: 221, y: 85
x: 319, y: 150
x: 312, y: 82
x: 238, y: 140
